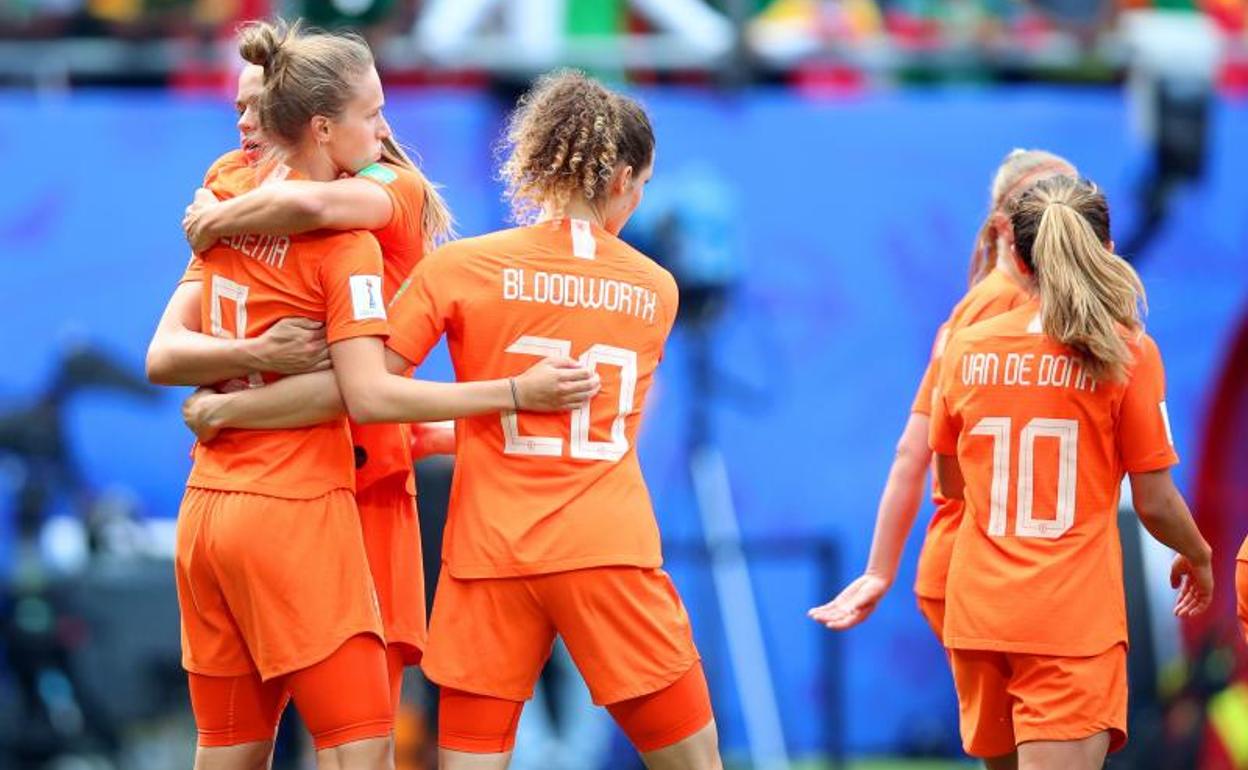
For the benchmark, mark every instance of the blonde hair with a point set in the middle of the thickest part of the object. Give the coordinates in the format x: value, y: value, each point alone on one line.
x: 1090, y: 298
x: 314, y: 73
x: 437, y: 224
x: 1017, y: 172
x: 565, y: 138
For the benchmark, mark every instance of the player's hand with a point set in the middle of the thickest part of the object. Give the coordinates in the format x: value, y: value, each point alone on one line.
x: 432, y: 438
x: 556, y: 385
x: 1195, y: 585
x: 853, y: 605
x: 195, y: 413
x: 293, y: 346
x: 192, y: 220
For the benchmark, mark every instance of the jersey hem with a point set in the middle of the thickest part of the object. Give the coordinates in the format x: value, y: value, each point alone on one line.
x: 280, y: 491
x: 485, y: 571
x: 1030, y: 648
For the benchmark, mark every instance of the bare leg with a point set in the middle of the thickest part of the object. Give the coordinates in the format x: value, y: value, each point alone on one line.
x: 367, y: 754
x: 245, y: 756
x: 463, y: 760
x: 1003, y: 762
x: 699, y: 751
x: 1086, y: 754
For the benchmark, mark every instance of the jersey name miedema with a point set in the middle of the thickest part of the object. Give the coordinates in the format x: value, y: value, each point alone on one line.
x: 537, y: 493
x: 1043, y: 447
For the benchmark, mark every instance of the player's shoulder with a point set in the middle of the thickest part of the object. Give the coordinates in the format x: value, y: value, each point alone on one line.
x: 327, y: 243
x: 1017, y: 322
x: 639, y: 263
x: 393, y: 175
x: 229, y: 162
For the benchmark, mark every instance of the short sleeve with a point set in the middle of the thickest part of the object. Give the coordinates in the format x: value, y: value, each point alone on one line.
x: 402, y: 238
x: 1144, y: 439
x: 194, y: 270
x: 945, y: 424
x: 423, y: 307
x: 351, y: 280
x: 922, y: 403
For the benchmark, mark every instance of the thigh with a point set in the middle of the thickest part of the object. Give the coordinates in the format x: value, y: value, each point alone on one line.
x: 667, y: 717
x: 487, y: 636
x: 1083, y: 754
x: 469, y: 723
x: 235, y: 710
x: 345, y: 698
x: 1070, y: 699
x: 626, y: 628
x: 985, y: 705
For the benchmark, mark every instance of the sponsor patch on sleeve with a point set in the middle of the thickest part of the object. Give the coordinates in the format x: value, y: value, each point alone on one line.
x: 366, y: 301
x: 378, y: 173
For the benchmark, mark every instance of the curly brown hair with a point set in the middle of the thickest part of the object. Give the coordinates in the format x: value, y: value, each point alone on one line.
x: 565, y: 138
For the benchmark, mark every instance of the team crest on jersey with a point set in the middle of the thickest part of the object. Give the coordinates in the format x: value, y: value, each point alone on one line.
x: 378, y: 173
x: 366, y: 300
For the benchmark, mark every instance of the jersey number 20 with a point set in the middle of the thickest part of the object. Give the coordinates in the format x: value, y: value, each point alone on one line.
x: 580, y: 446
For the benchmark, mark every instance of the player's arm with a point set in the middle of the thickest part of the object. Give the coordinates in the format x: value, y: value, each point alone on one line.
x: 1164, y: 513
x: 373, y: 389
x: 287, y: 207
x: 180, y: 354
x: 898, y: 507
x: 291, y: 402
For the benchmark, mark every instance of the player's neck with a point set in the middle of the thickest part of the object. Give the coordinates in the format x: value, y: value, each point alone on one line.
x: 577, y: 208
x: 312, y: 165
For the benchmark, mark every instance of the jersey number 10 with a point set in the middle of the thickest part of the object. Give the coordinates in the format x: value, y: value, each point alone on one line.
x: 999, y: 430
x: 580, y: 446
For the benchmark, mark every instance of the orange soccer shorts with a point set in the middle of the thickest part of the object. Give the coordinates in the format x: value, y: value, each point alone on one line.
x: 233, y: 710
x: 483, y: 724
x: 1008, y: 698
x: 391, y: 531
x: 1241, y: 593
x: 270, y: 585
x: 933, y: 611
x: 625, y: 627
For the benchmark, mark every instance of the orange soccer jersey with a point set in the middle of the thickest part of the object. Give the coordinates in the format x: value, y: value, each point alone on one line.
x: 385, y: 448
x: 539, y: 493
x: 1042, y: 447
x: 251, y: 282
x: 992, y: 296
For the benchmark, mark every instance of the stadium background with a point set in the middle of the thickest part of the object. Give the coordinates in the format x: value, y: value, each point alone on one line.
x: 822, y: 171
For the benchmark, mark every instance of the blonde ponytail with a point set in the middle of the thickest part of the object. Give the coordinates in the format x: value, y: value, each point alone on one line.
x: 437, y: 224
x: 1090, y: 298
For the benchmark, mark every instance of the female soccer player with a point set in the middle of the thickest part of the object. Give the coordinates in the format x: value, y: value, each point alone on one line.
x: 995, y: 288
x: 393, y: 200
x: 273, y: 582
x: 1038, y: 414
x: 551, y: 529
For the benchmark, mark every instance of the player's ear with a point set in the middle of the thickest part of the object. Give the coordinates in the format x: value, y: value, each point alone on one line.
x: 321, y: 128
x: 621, y: 179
